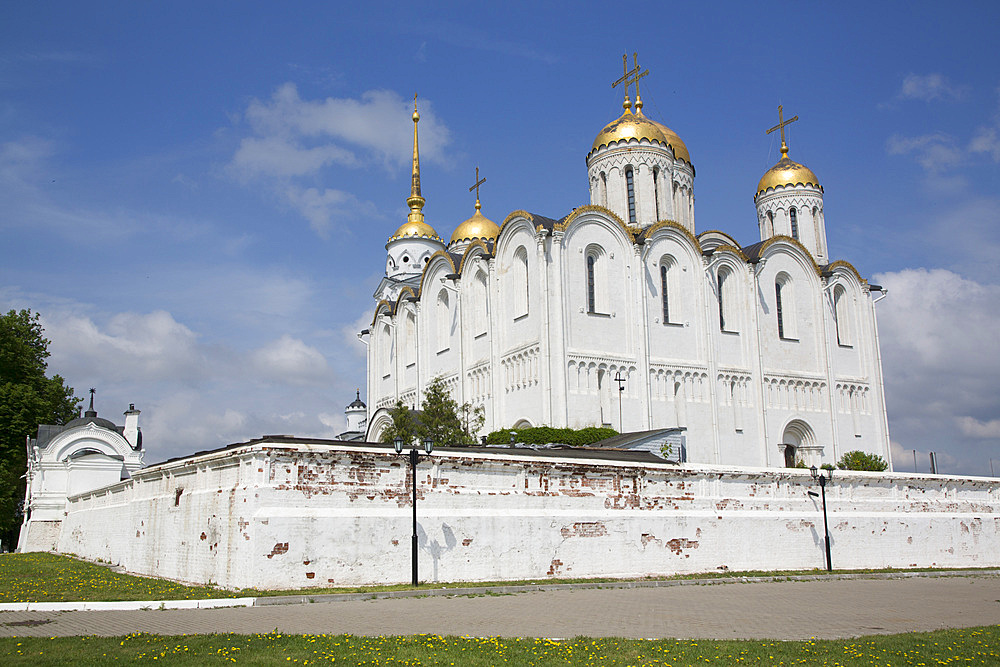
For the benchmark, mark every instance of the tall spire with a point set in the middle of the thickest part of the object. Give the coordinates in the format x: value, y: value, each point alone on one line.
x: 415, y: 201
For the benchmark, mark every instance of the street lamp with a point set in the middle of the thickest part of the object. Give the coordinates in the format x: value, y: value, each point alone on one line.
x: 414, y: 456
x: 823, y: 479
x: 621, y: 387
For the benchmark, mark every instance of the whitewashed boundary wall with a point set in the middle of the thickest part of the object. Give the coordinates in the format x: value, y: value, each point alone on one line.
x: 289, y: 513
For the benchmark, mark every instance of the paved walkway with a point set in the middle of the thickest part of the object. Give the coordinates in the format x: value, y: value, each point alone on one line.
x: 775, y: 610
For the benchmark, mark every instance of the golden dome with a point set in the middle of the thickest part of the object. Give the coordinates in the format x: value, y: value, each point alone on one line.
x: 476, y: 227
x: 629, y: 126
x: 414, y: 228
x: 680, y: 150
x: 787, y: 172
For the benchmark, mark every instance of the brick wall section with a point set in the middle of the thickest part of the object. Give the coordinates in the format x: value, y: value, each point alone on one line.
x: 299, y: 514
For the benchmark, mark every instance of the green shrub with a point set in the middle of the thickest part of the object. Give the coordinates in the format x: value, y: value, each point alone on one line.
x: 859, y: 460
x: 544, y: 435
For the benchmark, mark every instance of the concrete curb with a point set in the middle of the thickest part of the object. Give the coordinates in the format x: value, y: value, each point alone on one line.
x: 466, y: 591
x: 127, y: 605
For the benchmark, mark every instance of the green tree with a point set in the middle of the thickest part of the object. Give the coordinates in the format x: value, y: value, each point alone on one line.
x: 27, y: 398
x: 859, y: 460
x: 403, y: 425
x: 444, y: 421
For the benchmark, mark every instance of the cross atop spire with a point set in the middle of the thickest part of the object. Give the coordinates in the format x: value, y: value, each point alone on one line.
x: 476, y: 188
x: 631, y: 76
x: 781, y: 126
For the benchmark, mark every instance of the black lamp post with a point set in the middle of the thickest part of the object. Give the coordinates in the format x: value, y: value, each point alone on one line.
x: 823, y: 479
x: 414, y: 456
x: 621, y: 387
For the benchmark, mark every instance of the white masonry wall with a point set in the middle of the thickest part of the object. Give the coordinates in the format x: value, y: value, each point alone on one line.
x: 295, y: 514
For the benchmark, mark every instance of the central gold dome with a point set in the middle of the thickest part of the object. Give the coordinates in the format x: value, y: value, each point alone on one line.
x: 680, y: 150
x: 787, y: 172
x: 629, y: 126
x: 476, y: 227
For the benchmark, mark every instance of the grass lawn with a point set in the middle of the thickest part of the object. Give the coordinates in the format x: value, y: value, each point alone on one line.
x: 45, y: 577
x: 977, y: 646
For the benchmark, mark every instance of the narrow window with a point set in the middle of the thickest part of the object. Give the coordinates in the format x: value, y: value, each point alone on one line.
x: 443, y: 324
x: 841, y: 316
x: 604, y: 189
x: 664, y: 294
x: 656, y: 193
x: 722, y: 309
x: 630, y: 186
x: 770, y: 223
x: 777, y: 300
x: 793, y: 218
x: 519, y: 283
x: 591, y: 300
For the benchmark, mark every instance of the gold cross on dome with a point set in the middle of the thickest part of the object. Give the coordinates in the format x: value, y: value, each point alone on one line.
x: 630, y: 76
x: 781, y: 126
x: 479, y: 181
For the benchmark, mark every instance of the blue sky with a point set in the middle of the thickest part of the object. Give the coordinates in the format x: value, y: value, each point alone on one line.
x: 196, y: 196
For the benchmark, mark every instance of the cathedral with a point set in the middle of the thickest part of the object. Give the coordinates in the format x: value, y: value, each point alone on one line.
x: 623, y: 314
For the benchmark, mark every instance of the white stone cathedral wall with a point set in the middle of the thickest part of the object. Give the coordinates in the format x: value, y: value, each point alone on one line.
x: 293, y: 516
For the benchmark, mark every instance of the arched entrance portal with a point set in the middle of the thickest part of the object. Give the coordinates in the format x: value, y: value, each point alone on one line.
x: 798, y: 443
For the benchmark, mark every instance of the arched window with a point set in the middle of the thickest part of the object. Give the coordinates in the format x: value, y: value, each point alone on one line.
x: 784, y: 306
x: 770, y: 223
x: 842, y: 315
x: 656, y: 191
x: 630, y: 187
x: 519, y: 283
x: 385, y: 350
x: 591, y: 279
x: 480, y: 305
x: 669, y: 307
x: 777, y: 302
x: 443, y: 321
x: 604, y: 189
x: 664, y: 294
x: 598, y: 300
x: 794, y: 220
x: 727, y: 305
x: 410, y: 345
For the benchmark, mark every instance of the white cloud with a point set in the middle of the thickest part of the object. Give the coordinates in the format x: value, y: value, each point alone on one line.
x: 378, y: 123
x: 987, y: 140
x: 974, y: 428
x: 151, y: 346
x: 280, y: 157
x: 935, y: 152
x: 929, y: 87
x: 293, y: 141
x: 291, y: 361
x: 941, y: 361
x: 322, y: 208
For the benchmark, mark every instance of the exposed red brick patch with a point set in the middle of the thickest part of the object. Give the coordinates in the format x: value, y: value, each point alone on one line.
x: 554, y: 567
x: 678, y: 544
x: 310, y: 575
x: 305, y: 562
x: 204, y: 537
x: 395, y: 543
x: 467, y: 541
x: 279, y: 549
x: 647, y: 538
